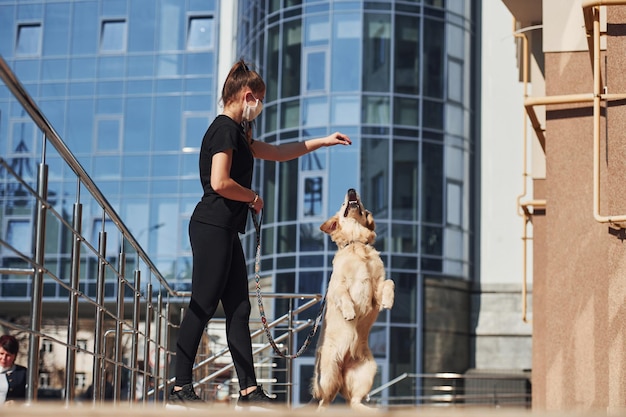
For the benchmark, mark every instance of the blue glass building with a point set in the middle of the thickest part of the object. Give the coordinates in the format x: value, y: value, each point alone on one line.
x: 131, y: 86
x: 395, y: 76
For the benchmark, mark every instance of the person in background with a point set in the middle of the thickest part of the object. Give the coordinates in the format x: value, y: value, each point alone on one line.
x: 12, y: 376
x: 219, y: 270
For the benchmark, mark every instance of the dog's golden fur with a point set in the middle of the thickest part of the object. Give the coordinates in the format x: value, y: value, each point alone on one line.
x: 357, y: 291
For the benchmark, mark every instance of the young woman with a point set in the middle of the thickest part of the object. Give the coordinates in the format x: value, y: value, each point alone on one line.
x: 12, y: 376
x: 219, y: 267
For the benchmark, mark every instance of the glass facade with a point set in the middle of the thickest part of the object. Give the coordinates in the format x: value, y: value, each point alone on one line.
x: 130, y: 86
x: 395, y: 76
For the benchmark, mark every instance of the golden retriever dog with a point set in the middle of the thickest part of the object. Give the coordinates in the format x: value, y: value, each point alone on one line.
x: 356, y: 293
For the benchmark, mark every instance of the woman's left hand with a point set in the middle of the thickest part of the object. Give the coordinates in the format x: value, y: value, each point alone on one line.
x: 337, y: 138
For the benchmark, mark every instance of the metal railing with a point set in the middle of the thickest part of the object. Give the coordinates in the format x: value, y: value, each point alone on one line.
x: 116, y: 296
x: 454, y: 389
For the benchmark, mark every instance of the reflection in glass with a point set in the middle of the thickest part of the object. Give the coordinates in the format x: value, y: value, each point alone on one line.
x: 317, y: 30
x: 376, y: 110
x: 311, y: 238
x: 403, y: 348
x: 433, y: 58
x: 286, y: 239
x: 404, y: 238
x: 135, y: 166
x: 406, y: 76
x: 345, y: 110
x: 454, y: 203
x: 375, y: 156
x: 291, y: 58
x: 346, y: 52
x: 313, y: 192
x: 406, y: 111
x: 377, y: 52
x: 315, y: 112
x: 290, y: 115
x: 108, y: 134
x: 316, y: 71
x: 405, y: 180
x: 432, y: 183
x: 288, y: 185
x: 18, y: 234
x: 432, y: 240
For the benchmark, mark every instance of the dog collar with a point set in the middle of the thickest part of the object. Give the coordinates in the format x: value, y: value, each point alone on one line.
x: 353, y: 241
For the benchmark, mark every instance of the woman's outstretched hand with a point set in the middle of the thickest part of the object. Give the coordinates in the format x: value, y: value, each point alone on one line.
x: 337, y: 138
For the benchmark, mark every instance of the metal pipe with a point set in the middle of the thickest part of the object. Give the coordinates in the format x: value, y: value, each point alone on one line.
x: 98, y: 359
x: 525, y: 175
x: 72, y: 326
x: 17, y: 271
x: 37, y: 285
x: 146, y: 346
x: 135, y: 343
x: 157, y: 346
x: 168, y: 353
x: 121, y: 288
x: 591, y: 14
x: 525, y: 238
x: 524, y: 40
x: 290, y: 343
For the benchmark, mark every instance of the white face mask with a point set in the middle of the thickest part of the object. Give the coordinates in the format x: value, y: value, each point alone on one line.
x: 251, y: 112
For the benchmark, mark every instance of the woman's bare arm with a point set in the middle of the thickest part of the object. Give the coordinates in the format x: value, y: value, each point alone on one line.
x: 292, y: 150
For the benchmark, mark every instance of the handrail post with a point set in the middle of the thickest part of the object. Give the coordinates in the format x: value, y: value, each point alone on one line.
x: 135, y: 344
x: 98, y: 359
x: 146, y: 346
x: 37, y: 287
x: 157, y: 347
x: 166, y: 336
x: 290, y: 343
x: 121, y: 287
x: 70, y: 371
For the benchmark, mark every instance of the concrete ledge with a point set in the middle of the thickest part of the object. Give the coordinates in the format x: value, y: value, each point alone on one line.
x: 55, y: 409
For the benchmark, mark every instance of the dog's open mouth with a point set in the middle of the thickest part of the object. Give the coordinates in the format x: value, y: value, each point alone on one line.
x: 353, y: 202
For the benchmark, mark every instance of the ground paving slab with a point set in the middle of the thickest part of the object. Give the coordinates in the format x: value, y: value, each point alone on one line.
x: 45, y: 409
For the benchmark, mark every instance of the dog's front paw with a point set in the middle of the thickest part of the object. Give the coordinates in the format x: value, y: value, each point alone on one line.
x: 388, y: 295
x: 348, y: 312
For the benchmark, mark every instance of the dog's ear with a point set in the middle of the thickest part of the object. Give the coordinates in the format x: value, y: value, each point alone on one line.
x: 330, y: 225
x: 369, y: 221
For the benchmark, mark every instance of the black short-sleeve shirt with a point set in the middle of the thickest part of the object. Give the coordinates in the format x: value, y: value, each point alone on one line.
x: 223, y: 134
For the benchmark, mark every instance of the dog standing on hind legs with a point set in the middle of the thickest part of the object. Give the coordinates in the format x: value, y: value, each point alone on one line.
x: 357, y: 292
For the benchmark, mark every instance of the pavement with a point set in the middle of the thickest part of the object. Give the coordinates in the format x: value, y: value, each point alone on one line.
x: 45, y: 409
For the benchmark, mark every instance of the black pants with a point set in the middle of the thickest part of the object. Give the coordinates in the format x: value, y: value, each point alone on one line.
x: 219, y: 274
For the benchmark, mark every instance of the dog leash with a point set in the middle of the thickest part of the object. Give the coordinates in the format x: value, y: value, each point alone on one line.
x: 256, y: 219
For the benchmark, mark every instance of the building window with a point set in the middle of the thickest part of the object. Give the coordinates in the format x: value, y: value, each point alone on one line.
x: 80, y: 380
x: 113, y: 36
x: 28, y: 39
x: 19, y: 234
x: 454, y: 198
x: 46, y: 346
x: 379, y: 199
x: 315, y: 71
x: 81, y: 344
x: 108, y: 133
x: 313, y: 199
x: 44, y: 379
x: 200, y: 33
